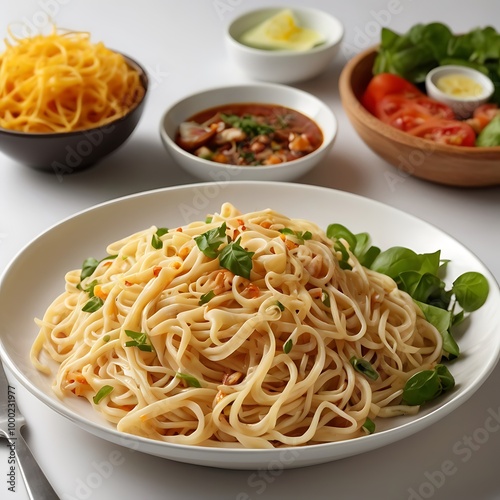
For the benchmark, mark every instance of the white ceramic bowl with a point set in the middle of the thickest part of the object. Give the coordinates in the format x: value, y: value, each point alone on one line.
x: 462, y: 106
x: 264, y: 93
x: 284, y: 66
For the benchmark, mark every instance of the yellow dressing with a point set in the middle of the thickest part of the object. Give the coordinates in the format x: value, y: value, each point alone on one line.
x: 281, y: 32
x: 460, y: 86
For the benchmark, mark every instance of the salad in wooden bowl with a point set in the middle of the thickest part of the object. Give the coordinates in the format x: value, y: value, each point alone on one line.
x: 384, y: 95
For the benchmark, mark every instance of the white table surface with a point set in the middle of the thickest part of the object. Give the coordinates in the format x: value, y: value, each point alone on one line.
x: 181, y: 45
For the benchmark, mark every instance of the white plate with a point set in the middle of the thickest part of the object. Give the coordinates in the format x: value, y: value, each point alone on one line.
x: 36, y: 276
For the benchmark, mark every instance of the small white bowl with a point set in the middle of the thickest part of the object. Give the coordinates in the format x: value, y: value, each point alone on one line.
x: 264, y: 93
x: 462, y: 106
x: 284, y: 66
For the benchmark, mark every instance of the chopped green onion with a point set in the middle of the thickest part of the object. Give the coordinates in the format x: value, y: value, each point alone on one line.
x: 102, y: 393
x: 364, y: 367
x: 206, y: 297
x: 189, y: 379
x: 140, y: 340
x: 369, y: 426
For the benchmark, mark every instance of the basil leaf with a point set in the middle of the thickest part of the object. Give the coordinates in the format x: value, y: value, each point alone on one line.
x: 236, y: 259
x: 210, y: 241
x: 445, y: 377
x: 422, y: 387
x: 441, y: 319
x: 88, y: 267
x: 413, y: 54
x: 338, y: 231
x: 359, y: 244
x: 471, y: 290
x: 103, y: 392
x: 189, y: 379
x: 427, y: 385
x: 90, y: 264
x: 396, y: 260
x: 420, y: 286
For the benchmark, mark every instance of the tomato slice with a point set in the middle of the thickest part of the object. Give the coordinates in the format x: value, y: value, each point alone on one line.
x: 435, y: 108
x: 483, y: 115
x: 393, y: 103
x: 385, y: 84
x: 452, y: 132
x: 408, y: 118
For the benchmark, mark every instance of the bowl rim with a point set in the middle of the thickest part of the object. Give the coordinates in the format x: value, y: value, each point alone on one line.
x: 323, y: 47
x: 143, y: 75
x: 327, y: 140
x: 384, y: 129
x: 433, y: 75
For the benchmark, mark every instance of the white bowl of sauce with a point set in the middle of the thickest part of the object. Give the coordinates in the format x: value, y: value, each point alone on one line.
x: 460, y: 87
x: 210, y: 154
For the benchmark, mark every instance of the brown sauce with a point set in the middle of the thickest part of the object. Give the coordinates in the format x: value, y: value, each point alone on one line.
x: 250, y: 134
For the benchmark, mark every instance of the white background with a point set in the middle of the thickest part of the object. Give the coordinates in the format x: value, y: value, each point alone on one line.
x: 181, y: 45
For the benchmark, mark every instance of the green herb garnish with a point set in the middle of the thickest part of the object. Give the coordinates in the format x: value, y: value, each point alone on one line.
x: 427, y: 385
x: 300, y: 235
x: 288, y: 346
x: 206, y: 297
x: 140, y: 340
x: 236, y: 259
x: 232, y: 256
x: 364, y: 367
x: 156, y: 241
x: 419, y: 275
x: 189, y: 379
x: 103, y: 392
x: 94, y: 304
x: 248, y: 124
x: 210, y: 241
x: 325, y: 298
x: 423, y: 47
x: 89, y: 266
x: 369, y: 426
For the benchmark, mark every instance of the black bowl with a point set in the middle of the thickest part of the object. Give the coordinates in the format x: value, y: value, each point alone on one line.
x: 66, y: 152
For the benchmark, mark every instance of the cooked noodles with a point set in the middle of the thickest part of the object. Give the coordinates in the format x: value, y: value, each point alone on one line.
x: 185, y: 351
x: 63, y: 82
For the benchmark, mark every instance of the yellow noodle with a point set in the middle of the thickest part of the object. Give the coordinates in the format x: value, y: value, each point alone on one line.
x: 63, y: 82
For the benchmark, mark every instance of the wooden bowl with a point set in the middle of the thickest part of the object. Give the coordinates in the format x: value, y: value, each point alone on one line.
x: 440, y: 163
